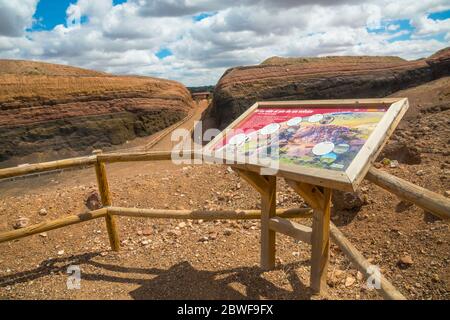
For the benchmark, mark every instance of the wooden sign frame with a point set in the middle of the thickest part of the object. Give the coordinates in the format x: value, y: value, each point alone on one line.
x: 347, y: 180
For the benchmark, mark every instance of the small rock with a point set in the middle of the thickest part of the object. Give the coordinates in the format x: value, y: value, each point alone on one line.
x: 104, y: 254
x: 60, y: 252
x: 229, y: 170
x: 447, y: 193
x: 227, y: 232
x: 420, y: 173
x: 145, y: 242
x: 435, y: 278
x: 347, y: 200
x: 339, y: 273
x: 93, y: 201
x: 174, y: 233
x: 405, y: 262
x: 212, y: 236
x: 182, y: 225
x: 203, y: 239
x: 43, y: 234
x: 147, y: 232
x: 359, y: 276
x: 43, y: 212
x: 394, y: 164
x: 349, y: 281
x: 21, y: 223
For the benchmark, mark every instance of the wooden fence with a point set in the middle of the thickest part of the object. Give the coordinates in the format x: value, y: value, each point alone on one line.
x: 429, y: 201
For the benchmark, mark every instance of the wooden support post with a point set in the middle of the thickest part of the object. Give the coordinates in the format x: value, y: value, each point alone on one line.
x: 320, y: 243
x: 268, y: 211
x: 291, y: 229
x: 266, y: 186
x: 105, y: 195
x: 320, y: 237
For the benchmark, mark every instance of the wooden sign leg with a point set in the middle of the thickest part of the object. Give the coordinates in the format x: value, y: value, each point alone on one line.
x: 320, y: 237
x: 268, y: 211
x: 320, y: 243
x: 266, y: 186
x: 105, y: 195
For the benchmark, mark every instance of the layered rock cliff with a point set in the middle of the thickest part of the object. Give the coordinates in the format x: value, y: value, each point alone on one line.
x: 321, y: 78
x: 52, y: 111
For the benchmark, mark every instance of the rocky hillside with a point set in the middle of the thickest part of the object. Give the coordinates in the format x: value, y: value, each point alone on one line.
x: 321, y: 78
x: 51, y: 111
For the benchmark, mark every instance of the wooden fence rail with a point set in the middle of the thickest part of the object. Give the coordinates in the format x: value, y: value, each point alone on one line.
x: 47, y: 166
x: 52, y: 225
x: 386, y: 289
x: 206, y: 215
x: 426, y: 199
x: 423, y: 198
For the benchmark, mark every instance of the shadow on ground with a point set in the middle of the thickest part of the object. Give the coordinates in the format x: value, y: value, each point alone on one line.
x: 181, y: 281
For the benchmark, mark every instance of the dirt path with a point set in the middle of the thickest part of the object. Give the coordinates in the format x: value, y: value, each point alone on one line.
x: 166, y: 144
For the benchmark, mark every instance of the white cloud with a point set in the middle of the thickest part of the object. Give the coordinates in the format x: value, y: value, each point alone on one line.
x: 125, y: 38
x: 393, y: 27
x: 426, y: 26
x: 16, y: 16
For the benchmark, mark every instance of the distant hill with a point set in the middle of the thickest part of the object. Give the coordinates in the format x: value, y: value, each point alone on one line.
x: 52, y: 111
x: 333, y: 77
x: 201, y: 89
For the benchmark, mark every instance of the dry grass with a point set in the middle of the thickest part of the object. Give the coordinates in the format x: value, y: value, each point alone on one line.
x: 332, y: 60
x: 21, y: 67
x: 13, y: 87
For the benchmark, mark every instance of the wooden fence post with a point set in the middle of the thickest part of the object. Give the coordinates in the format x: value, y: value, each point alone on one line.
x: 105, y: 195
x: 268, y: 211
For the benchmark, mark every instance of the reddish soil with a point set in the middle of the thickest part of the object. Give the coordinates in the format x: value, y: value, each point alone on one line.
x: 167, y: 259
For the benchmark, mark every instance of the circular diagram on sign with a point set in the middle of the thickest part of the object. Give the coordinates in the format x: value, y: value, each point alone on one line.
x: 238, y: 139
x: 328, y: 158
x: 341, y: 148
x: 294, y: 121
x: 315, y: 118
x: 270, y: 129
x: 323, y: 148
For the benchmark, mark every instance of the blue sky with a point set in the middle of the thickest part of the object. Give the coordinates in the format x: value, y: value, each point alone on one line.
x: 203, y: 15
x: 50, y: 13
x: 406, y: 29
x: 441, y: 15
x: 196, y: 41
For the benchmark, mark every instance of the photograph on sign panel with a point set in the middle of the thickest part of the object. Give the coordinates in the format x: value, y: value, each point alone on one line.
x: 322, y: 138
